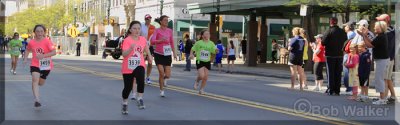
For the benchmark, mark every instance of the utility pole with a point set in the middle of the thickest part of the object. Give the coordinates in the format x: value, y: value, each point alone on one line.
x: 108, y: 12
x: 76, y: 12
x: 161, y: 7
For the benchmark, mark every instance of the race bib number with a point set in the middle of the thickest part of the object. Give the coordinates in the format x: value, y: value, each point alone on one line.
x: 133, y: 62
x: 44, y: 64
x: 204, y: 55
x: 167, y: 50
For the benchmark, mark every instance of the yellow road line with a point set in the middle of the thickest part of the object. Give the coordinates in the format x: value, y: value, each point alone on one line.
x: 288, y: 111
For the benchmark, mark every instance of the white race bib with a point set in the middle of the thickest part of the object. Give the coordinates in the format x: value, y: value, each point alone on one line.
x: 44, y: 64
x: 167, y: 50
x: 204, y: 55
x: 133, y: 62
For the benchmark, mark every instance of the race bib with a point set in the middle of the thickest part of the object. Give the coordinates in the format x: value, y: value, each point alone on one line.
x: 44, y: 64
x: 167, y: 50
x: 15, y: 49
x: 133, y: 62
x: 204, y: 55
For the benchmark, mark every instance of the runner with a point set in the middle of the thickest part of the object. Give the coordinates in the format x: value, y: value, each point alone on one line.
x: 203, y: 48
x: 14, y: 45
x: 133, y: 65
x: 23, y: 48
x: 164, y: 43
x: 41, y: 64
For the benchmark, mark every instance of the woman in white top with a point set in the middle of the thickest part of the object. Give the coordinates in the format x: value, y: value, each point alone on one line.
x: 231, y: 56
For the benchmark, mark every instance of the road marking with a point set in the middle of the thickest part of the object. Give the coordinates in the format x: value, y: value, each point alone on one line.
x: 283, y: 110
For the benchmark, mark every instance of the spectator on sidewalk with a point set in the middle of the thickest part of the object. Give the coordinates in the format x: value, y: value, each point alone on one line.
x: 391, y: 36
x: 381, y: 57
x: 220, y: 54
x: 352, y: 64
x: 275, y: 48
x: 296, y: 48
x: 181, y: 49
x: 349, y: 29
x: 78, y: 47
x: 305, y: 55
x: 188, y: 47
x: 231, y: 56
x: 243, y: 44
x: 364, y: 70
x: 319, y: 62
x: 333, y: 41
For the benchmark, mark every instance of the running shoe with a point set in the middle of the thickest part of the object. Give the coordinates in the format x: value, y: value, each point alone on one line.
x: 15, y: 72
x: 148, y: 81
x: 380, y: 102
x: 391, y: 100
x: 201, y: 92
x: 141, y: 104
x: 124, y: 109
x: 195, y: 86
x: 37, y: 105
x: 162, y: 94
x: 11, y: 71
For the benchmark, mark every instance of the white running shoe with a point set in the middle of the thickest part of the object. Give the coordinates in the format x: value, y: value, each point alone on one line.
x: 380, y: 102
x: 162, y: 94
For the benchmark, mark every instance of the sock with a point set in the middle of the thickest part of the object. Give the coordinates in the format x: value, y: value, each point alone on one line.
x: 140, y: 98
x: 125, y: 102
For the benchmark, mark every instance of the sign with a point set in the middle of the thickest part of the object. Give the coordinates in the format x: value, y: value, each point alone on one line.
x: 73, y: 32
x: 303, y: 10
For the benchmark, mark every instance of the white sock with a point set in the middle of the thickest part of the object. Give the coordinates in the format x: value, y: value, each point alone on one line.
x: 140, y: 97
x: 125, y: 102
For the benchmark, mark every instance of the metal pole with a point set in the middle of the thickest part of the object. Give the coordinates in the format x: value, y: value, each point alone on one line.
x: 161, y: 7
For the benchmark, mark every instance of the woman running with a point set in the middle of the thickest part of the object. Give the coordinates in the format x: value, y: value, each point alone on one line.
x: 133, y: 65
x: 14, y: 45
x: 163, y: 40
x: 203, y: 48
x: 231, y: 56
x: 42, y: 50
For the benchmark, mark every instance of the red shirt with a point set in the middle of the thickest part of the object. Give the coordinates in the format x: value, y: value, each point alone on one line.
x: 43, y: 47
x: 320, y: 57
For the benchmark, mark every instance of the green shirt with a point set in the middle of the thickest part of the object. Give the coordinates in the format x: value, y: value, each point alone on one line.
x: 14, y: 46
x: 204, y: 50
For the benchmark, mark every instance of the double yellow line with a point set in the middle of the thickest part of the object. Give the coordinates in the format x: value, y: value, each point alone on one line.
x: 288, y: 111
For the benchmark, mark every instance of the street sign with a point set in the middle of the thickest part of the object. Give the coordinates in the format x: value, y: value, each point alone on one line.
x: 303, y: 10
x: 73, y: 32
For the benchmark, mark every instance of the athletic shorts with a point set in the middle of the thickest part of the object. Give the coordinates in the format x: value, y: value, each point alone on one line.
x: 218, y: 60
x: 295, y: 60
x: 43, y: 73
x: 389, y: 70
x: 231, y: 57
x: 200, y: 64
x: 162, y: 60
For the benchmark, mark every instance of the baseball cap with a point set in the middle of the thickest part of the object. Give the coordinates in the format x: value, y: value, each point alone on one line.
x: 318, y: 36
x: 363, y: 22
x: 351, y: 24
x: 383, y: 17
x: 147, y: 16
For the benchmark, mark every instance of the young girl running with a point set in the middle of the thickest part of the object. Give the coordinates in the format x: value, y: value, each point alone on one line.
x: 14, y: 45
x: 133, y: 65
x: 41, y: 64
x: 203, y: 48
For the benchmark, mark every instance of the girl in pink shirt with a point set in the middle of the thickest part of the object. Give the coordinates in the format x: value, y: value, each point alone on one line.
x: 164, y: 42
x: 42, y: 50
x: 133, y: 65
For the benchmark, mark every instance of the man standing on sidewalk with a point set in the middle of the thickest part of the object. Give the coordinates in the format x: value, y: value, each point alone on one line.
x: 188, y: 47
x: 334, y: 40
x: 78, y: 47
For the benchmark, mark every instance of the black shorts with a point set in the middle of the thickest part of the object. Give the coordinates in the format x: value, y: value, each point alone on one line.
x: 162, y: 60
x: 364, y: 81
x: 200, y: 64
x: 296, y: 60
x: 43, y: 73
x: 258, y: 53
x: 231, y: 57
x: 151, y: 48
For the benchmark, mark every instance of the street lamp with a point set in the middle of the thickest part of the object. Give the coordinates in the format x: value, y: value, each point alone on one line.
x: 161, y: 7
x: 76, y: 12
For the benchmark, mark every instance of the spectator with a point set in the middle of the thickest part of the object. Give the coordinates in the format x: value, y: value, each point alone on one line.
x: 243, y: 44
x: 349, y: 29
x: 391, y: 49
x: 380, y: 55
x: 181, y: 49
x: 188, y: 47
x: 296, y: 48
x: 319, y: 62
x: 334, y: 40
x: 275, y: 48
